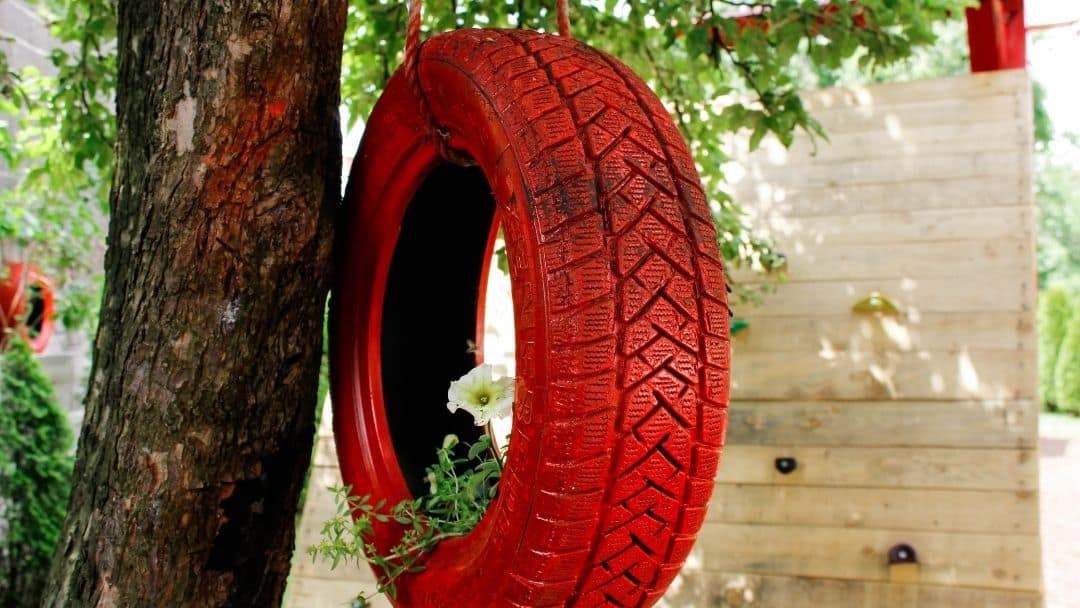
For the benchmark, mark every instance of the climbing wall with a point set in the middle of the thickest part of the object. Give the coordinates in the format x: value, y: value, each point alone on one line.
x: 916, y: 427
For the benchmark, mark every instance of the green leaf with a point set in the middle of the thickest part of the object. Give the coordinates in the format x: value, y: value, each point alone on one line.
x: 757, y: 135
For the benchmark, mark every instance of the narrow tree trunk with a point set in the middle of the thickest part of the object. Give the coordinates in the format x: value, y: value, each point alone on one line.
x: 202, y: 395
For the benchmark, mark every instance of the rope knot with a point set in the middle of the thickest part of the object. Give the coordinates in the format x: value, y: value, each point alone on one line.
x: 438, y: 134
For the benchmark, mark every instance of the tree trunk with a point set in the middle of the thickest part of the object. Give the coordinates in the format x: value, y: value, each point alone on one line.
x: 201, y: 402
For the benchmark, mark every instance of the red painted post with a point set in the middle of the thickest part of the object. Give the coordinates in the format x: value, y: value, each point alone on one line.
x: 996, y: 35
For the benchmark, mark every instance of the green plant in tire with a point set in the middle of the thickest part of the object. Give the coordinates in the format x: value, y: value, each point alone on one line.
x: 463, y: 481
x: 1054, y: 311
x: 1067, y: 372
x: 35, y: 475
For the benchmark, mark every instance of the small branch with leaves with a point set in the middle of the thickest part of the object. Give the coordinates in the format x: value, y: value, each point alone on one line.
x: 463, y: 481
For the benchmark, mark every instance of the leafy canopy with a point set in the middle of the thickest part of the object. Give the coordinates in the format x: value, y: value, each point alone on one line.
x: 721, y: 66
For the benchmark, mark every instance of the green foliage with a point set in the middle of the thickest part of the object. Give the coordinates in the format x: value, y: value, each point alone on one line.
x: 1055, y: 307
x: 1044, y: 127
x: 463, y: 484
x: 62, y: 149
x: 35, y: 475
x: 1057, y: 194
x: 1067, y: 371
x: 948, y: 56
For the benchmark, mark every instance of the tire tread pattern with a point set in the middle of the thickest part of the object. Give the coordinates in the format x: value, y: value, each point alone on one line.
x: 638, y: 310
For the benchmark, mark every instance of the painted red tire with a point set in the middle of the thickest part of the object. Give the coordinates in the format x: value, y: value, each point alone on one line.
x: 620, y: 310
x: 15, y: 289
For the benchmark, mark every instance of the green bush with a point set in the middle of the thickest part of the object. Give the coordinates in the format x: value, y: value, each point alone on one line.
x: 1054, y: 311
x: 1067, y: 373
x: 35, y: 475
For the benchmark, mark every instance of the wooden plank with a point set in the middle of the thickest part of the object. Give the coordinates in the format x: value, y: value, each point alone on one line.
x: 326, y: 453
x: 320, y: 593
x: 843, y: 147
x: 809, y: 261
x: 916, y: 106
x: 909, y: 226
x: 319, y: 507
x: 960, y: 424
x: 976, y: 560
x: 1007, y: 292
x: 932, y: 468
x: 1009, y: 512
x: 868, y: 334
x: 966, y: 86
x: 800, y: 200
x: 923, y: 375
x: 305, y: 566
x: 319, y: 504
x: 895, y: 171
x: 893, y: 117
x: 695, y: 588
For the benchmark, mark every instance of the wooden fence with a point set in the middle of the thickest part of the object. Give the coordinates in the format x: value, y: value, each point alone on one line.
x: 917, y: 428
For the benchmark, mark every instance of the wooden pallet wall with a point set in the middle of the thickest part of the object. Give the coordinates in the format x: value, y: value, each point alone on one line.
x: 918, y: 428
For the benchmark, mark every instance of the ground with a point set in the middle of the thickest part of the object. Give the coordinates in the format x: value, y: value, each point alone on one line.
x: 1059, y: 468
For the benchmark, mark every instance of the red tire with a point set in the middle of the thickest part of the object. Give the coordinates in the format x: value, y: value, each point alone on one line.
x: 27, y: 304
x: 620, y: 310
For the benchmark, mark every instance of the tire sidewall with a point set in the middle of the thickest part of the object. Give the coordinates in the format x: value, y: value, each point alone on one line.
x: 394, y: 160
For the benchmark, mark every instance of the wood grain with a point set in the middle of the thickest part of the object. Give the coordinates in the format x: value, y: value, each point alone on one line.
x: 967, y: 86
x: 984, y: 511
x: 916, y: 424
x: 1009, y: 291
x: 840, y: 198
x: 930, y: 331
x: 908, y: 226
x: 1005, y: 134
x: 810, y: 261
x: 848, y: 375
x: 930, y: 468
x: 976, y: 560
x: 895, y: 171
x: 699, y: 589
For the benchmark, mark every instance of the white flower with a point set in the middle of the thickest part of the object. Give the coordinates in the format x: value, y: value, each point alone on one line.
x: 477, y: 393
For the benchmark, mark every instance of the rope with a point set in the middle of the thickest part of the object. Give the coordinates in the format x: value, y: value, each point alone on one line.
x: 411, y: 66
x: 562, y: 9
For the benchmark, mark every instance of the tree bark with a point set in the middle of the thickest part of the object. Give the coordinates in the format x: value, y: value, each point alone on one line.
x: 200, y: 410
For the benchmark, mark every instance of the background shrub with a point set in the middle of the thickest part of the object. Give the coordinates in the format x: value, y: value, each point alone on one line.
x: 1067, y: 374
x: 35, y: 475
x: 1055, y: 308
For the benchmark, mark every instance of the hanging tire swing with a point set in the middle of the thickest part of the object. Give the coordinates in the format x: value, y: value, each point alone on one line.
x: 27, y: 305
x: 620, y: 311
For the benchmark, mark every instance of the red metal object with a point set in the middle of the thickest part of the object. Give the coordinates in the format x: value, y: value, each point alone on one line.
x: 620, y: 312
x: 996, y: 36
x: 35, y: 325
